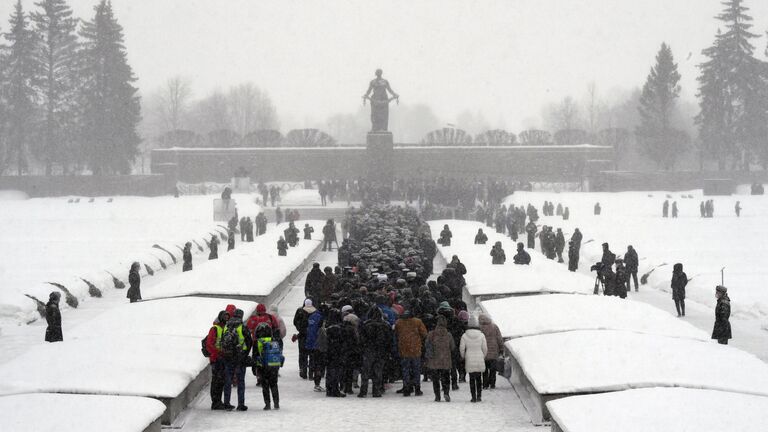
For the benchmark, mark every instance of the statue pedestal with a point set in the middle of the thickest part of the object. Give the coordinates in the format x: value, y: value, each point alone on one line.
x: 380, y: 156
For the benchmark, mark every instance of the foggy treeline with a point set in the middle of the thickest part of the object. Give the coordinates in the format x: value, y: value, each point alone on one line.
x: 68, y: 105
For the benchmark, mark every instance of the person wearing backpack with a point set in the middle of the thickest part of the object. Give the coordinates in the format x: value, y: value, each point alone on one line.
x: 213, y: 349
x: 236, y: 342
x: 268, y: 359
x: 316, y: 355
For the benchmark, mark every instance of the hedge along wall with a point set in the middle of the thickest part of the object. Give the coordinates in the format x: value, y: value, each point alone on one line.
x: 86, y: 185
x: 551, y: 163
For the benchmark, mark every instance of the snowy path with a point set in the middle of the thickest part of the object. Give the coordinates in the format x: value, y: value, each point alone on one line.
x: 303, y: 409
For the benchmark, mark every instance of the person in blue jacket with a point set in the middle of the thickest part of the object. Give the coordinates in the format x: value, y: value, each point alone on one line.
x: 316, y: 361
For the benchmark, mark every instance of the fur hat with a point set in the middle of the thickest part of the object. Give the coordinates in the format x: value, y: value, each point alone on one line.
x: 721, y: 289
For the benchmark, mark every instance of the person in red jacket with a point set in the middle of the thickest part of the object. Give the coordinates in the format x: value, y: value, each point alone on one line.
x: 213, y: 345
x: 259, y: 317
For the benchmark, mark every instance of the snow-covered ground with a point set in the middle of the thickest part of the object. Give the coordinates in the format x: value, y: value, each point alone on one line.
x: 49, y: 412
x: 300, y: 197
x: 484, y: 278
x: 542, y: 314
x: 661, y: 410
x: 703, y: 245
x: 252, y: 268
x: 52, y: 240
x: 608, y: 360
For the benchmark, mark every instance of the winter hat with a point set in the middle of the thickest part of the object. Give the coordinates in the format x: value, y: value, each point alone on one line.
x: 230, y: 310
x: 260, y: 309
x: 346, y: 310
x: 239, y: 313
x: 464, y: 316
x: 444, y: 305
x: 307, y: 302
x: 441, y: 321
x: 55, y: 295
x: 273, y: 309
x: 721, y: 289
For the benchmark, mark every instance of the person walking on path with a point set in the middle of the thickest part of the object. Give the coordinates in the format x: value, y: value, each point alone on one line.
x: 134, y: 280
x: 410, y: 332
x: 53, y: 332
x: 439, y: 351
x: 236, y: 343
x: 268, y: 359
x: 301, y: 321
x: 722, y: 328
x: 214, y: 245
x: 376, y: 337
x: 473, y: 348
x: 494, y: 343
x: 679, y: 281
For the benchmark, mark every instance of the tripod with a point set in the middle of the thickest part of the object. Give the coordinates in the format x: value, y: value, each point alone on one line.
x: 598, y: 284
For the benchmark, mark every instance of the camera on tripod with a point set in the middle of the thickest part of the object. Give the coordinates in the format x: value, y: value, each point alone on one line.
x: 598, y: 267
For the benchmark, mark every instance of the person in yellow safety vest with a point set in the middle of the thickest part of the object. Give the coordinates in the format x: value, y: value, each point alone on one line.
x: 235, y: 345
x: 268, y: 358
x: 213, y: 346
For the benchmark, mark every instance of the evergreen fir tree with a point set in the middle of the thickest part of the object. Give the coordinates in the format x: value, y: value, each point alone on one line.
x: 732, y: 89
x: 21, y: 70
x: 58, y: 81
x: 661, y: 141
x: 111, y: 110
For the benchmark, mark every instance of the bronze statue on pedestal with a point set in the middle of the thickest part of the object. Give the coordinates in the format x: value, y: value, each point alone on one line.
x: 379, y: 94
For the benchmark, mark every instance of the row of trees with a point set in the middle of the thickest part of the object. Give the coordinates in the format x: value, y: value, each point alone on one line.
x: 67, y: 97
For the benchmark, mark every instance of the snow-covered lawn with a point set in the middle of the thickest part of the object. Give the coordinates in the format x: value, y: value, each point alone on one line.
x: 149, y: 348
x: 252, y: 269
x: 299, y: 198
x: 607, y: 360
x: 661, y: 410
x: 542, y: 314
x: 703, y: 245
x: 49, y: 412
x: 51, y: 240
x: 486, y: 279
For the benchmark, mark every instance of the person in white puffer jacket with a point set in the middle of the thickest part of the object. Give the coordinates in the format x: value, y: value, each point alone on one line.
x: 473, y: 348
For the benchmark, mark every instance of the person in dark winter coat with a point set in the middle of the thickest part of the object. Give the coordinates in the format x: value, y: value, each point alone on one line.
x: 621, y: 279
x: 316, y: 355
x: 566, y: 214
x: 278, y: 215
x: 231, y: 241
x: 376, y: 339
x: 737, y: 208
x: 214, y: 245
x: 53, y: 332
x: 445, y: 236
x: 559, y: 244
x: 480, y: 238
x: 665, y: 209
x: 328, y: 286
x: 313, y: 284
x: 213, y: 346
x: 495, y: 345
x: 329, y: 235
x: 308, y: 230
x: 674, y: 209
x: 335, y: 353
x: 301, y: 321
x: 679, y: 281
x: 187, y: 256
x: 234, y: 363
x: 722, y: 328
x: 521, y: 257
x: 440, y: 347
x: 531, y: 229
x: 598, y: 209
x: 282, y: 247
x: 497, y: 254
x: 134, y: 282
x: 576, y: 239
x: 631, y: 262
x: 573, y: 257
x: 267, y: 364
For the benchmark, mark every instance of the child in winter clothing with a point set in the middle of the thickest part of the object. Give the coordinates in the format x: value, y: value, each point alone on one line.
x: 268, y: 359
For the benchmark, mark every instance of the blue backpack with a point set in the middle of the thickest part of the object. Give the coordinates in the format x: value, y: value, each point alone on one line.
x: 270, y: 353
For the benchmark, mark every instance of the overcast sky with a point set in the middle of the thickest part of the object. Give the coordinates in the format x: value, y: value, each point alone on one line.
x: 505, y: 58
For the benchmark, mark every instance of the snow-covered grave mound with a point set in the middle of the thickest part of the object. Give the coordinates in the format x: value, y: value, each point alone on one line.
x: 133, y: 365
x: 251, y: 269
x: 661, y: 410
x: 181, y: 316
x: 47, y: 412
x: 300, y: 198
x: 607, y: 360
x: 54, y: 240
x: 535, y: 315
x: 486, y: 280
x: 703, y: 245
